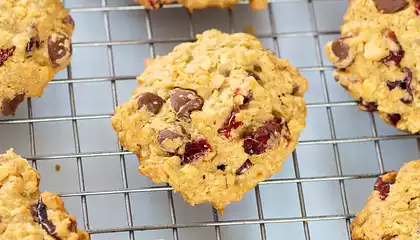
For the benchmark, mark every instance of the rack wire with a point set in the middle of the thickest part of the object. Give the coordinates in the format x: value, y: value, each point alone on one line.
x: 323, y: 69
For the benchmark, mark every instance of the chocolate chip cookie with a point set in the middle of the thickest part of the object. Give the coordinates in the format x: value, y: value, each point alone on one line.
x: 35, y: 43
x: 214, y: 117
x: 199, y: 4
x: 25, y: 213
x: 392, y: 212
x: 376, y: 59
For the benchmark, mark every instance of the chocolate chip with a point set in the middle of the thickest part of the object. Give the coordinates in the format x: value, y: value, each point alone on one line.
x: 257, y: 68
x: 394, y: 118
x: 404, y: 84
x: 383, y: 187
x: 68, y: 20
x: 256, y: 142
x: 230, y: 123
x: 247, y: 164
x: 9, y: 106
x: 59, y: 49
x: 221, y: 167
x: 33, y: 42
x: 368, y: 106
x: 392, y: 85
x: 390, y: 6
x: 168, y: 134
x: 39, y: 213
x: 340, y: 49
x: 394, y: 56
x: 5, y: 54
x: 152, y: 102
x: 185, y: 101
x: 194, y: 151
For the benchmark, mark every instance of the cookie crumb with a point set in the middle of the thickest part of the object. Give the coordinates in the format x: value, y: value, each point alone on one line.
x: 57, y: 167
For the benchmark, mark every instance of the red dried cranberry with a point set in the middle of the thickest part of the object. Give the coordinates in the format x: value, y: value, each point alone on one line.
x: 382, y: 187
x: 5, y: 54
x: 394, y: 56
x: 247, y: 164
x: 368, y: 106
x: 394, y: 118
x: 256, y: 142
x: 230, y: 123
x: 405, y: 84
x: 195, y: 150
x: 236, y: 91
x: 417, y: 8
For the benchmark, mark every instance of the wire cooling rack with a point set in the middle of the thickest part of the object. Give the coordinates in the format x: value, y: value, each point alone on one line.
x: 69, y: 139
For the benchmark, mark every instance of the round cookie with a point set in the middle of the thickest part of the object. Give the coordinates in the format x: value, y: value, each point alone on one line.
x: 214, y: 117
x: 199, y: 4
x: 35, y: 43
x: 392, y: 212
x: 377, y: 57
x: 26, y: 213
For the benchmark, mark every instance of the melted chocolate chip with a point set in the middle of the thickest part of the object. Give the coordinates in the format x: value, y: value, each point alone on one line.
x: 221, y: 167
x: 245, y: 166
x: 9, y: 107
x: 394, y: 56
x: 194, y: 151
x: 184, y: 102
x: 152, y: 101
x: 368, y: 106
x: 59, y: 49
x: 257, y: 68
x: 39, y: 213
x: 5, y: 54
x: 168, y: 134
x: 340, y: 49
x: 394, y: 118
x: 256, y: 142
x: 229, y: 124
x: 390, y: 6
x: 383, y: 187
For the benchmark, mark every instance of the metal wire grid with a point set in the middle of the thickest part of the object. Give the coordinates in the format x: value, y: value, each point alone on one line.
x: 261, y: 220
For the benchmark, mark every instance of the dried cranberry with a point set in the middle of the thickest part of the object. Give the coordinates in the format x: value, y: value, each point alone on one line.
x: 247, y: 164
x: 256, y: 142
x: 394, y: 118
x: 417, y: 8
x: 194, y: 151
x: 368, y: 106
x: 382, y: 187
x: 405, y: 84
x: 392, y: 85
x: 230, y: 123
x: 394, y: 56
x: 5, y: 54
x: 236, y: 91
x: 39, y: 213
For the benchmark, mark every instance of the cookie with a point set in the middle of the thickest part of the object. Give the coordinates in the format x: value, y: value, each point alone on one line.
x: 392, y: 212
x: 199, y: 4
x: 35, y: 43
x: 25, y: 213
x: 376, y: 59
x: 214, y: 117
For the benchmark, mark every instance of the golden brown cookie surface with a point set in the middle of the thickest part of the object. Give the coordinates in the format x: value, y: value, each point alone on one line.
x: 214, y: 117
x: 35, y: 43
x: 26, y: 213
x: 199, y: 4
x: 392, y: 212
x: 377, y: 59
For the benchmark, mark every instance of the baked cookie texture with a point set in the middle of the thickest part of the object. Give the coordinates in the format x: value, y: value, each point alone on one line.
x: 392, y: 212
x: 377, y: 58
x: 214, y: 117
x: 199, y: 4
x: 25, y: 213
x: 35, y: 43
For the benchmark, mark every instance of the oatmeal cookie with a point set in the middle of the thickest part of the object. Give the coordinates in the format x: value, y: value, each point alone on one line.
x: 35, y: 43
x: 392, y: 212
x: 199, y: 4
x: 377, y: 57
x: 214, y: 117
x: 25, y: 213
